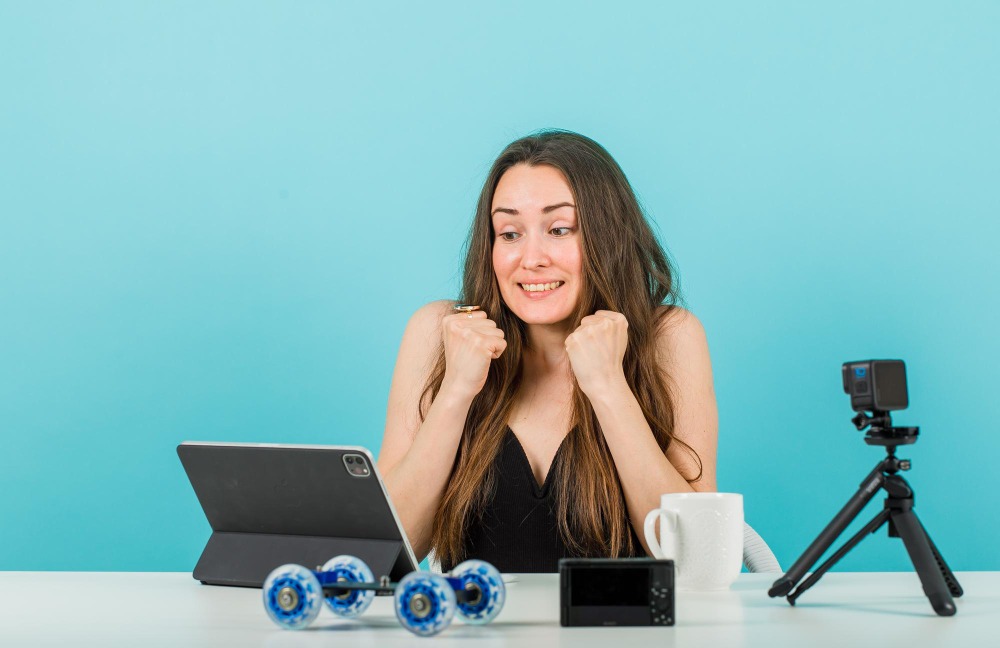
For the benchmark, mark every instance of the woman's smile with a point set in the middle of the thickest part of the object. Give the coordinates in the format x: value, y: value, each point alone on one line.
x: 540, y: 290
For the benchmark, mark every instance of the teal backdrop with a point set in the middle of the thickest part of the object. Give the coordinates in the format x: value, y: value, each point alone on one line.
x: 217, y: 218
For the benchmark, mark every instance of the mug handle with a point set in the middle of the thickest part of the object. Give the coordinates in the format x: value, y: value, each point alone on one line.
x: 666, y: 549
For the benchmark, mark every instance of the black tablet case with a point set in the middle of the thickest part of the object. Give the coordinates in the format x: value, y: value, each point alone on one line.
x: 271, y: 505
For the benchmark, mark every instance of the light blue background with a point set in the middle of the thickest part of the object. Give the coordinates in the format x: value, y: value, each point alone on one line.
x: 217, y: 218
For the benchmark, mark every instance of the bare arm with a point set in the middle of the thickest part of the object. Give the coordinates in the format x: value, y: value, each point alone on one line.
x: 416, y: 458
x: 645, y: 472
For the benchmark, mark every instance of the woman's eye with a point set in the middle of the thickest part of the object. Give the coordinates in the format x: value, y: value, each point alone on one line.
x: 509, y: 236
x: 560, y: 231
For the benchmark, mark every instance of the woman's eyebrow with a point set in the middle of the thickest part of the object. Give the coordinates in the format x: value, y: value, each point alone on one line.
x: 555, y: 207
x: 545, y: 210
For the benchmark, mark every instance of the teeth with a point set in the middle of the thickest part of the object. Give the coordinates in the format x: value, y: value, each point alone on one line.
x: 541, y: 287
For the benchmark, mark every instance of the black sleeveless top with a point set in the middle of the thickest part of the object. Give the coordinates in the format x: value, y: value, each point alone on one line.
x: 518, y: 531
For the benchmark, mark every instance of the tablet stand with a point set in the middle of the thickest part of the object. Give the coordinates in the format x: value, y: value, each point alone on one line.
x: 245, y: 559
x: 939, y: 583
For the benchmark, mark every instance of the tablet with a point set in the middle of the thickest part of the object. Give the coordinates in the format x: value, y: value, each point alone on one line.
x: 272, y: 504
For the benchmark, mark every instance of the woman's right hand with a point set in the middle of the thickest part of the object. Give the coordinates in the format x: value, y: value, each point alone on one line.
x: 471, y: 343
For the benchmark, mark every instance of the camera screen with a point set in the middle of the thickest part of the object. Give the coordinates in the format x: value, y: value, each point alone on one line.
x: 890, y: 384
x: 618, y: 586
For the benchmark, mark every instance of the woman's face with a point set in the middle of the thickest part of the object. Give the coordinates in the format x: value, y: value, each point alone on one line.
x: 537, y: 251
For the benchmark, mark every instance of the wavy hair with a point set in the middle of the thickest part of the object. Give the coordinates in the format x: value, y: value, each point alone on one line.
x: 625, y: 270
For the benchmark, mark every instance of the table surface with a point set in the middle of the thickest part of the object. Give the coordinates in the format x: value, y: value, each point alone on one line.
x: 109, y: 609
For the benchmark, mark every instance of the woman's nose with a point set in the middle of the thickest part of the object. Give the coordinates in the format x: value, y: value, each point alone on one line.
x: 535, y: 252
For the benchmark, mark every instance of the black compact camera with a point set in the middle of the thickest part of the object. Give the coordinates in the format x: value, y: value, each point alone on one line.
x: 616, y: 592
x: 876, y: 385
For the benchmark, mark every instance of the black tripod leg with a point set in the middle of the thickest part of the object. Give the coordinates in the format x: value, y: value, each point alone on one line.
x: 918, y: 545
x: 827, y: 536
x: 949, y: 576
x: 867, y: 529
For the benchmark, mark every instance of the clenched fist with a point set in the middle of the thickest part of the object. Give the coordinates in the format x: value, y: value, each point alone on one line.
x: 471, y: 343
x: 596, y: 350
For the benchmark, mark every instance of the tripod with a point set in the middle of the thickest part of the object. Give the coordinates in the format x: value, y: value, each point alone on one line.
x: 938, y: 581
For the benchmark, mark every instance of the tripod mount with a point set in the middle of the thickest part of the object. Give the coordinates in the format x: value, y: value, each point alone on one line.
x: 939, y: 583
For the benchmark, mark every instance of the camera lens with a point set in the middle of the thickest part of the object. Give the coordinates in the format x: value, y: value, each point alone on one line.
x: 350, y: 460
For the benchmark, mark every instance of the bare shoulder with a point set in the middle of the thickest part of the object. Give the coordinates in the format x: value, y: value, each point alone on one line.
x: 680, y: 336
x: 421, y: 343
x: 432, y: 312
x: 427, y: 318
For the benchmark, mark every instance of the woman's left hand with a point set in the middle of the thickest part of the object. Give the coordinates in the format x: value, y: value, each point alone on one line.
x: 596, y: 350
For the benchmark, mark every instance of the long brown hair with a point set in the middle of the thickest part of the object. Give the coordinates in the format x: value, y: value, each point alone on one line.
x: 625, y: 270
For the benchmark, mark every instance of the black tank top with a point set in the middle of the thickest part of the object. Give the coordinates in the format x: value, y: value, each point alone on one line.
x: 518, y: 531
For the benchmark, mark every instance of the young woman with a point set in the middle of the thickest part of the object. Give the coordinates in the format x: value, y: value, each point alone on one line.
x: 546, y: 418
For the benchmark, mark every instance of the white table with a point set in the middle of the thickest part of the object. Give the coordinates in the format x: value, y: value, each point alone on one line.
x: 170, y: 609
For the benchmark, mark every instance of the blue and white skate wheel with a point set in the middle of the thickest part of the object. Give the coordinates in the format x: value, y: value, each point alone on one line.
x: 483, y: 581
x: 425, y: 603
x: 292, y: 596
x: 353, y: 570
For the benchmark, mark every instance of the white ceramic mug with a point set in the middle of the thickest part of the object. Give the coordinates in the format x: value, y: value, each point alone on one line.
x: 703, y: 534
